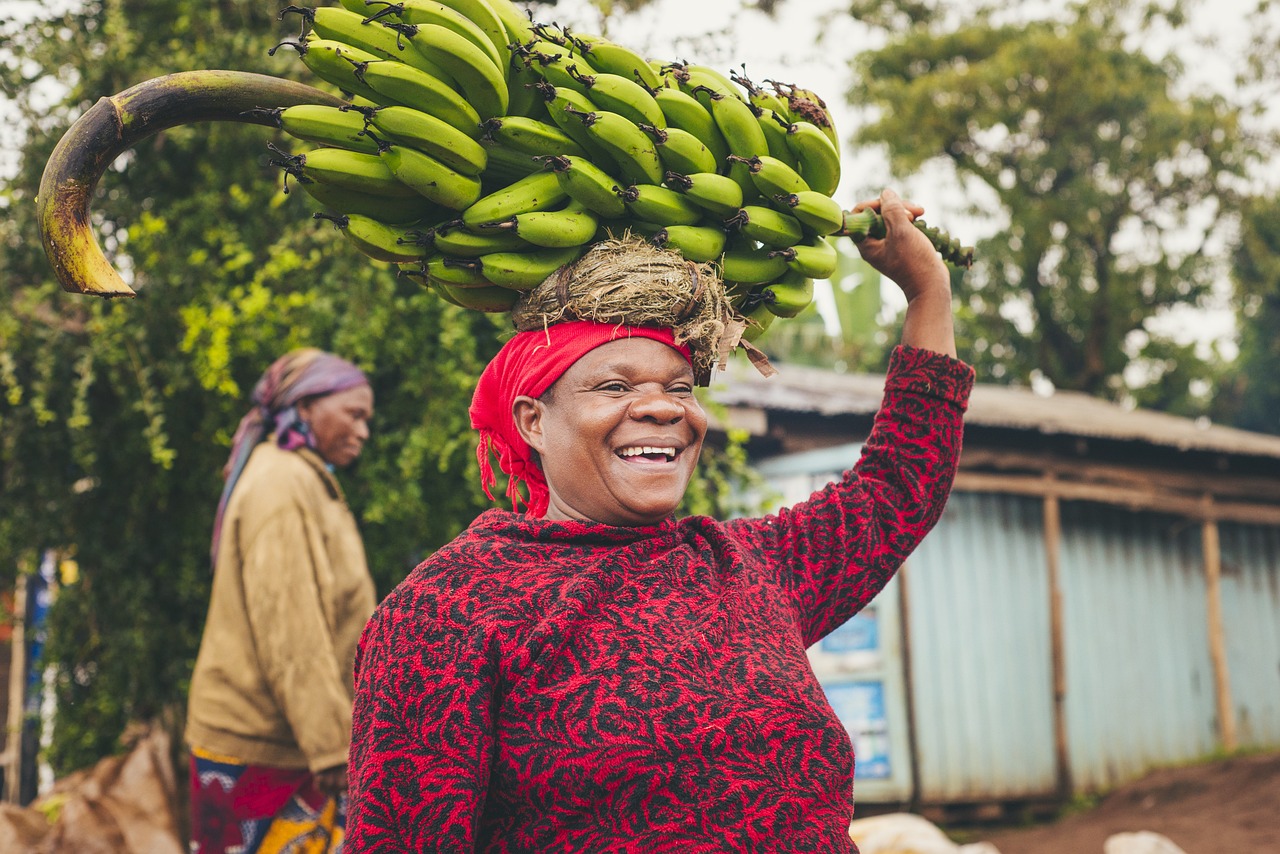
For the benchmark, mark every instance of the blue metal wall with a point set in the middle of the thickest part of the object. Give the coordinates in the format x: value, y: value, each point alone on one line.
x: 1139, y: 678
x: 1251, y: 624
x: 982, y: 674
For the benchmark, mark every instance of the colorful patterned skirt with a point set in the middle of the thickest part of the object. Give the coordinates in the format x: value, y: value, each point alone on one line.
x: 237, y: 808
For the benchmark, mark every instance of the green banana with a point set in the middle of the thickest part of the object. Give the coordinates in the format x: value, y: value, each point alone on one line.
x: 572, y: 226
x: 456, y: 272
x: 337, y: 126
x: 411, y: 87
x: 560, y: 101
x: 556, y: 64
x: 687, y: 113
x: 376, y: 239
x: 767, y: 225
x: 772, y: 176
x: 759, y: 97
x: 522, y: 96
x: 353, y: 170
x: 790, y: 295
x: 816, y: 258
x: 759, y: 319
x: 818, y: 158
x: 775, y: 134
x: 818, y: 212
x: 718, y: 194
x: 630, y: 147
x: 389, y: 209
x: 609, y: 56
x: 525, y: 270
x: 530, y: 136
x: 422, y: 12
x: 623, y: 96
x: 489, y: 298
x: 703, y: 83
x: 335, y: 62
x: 806, y: 105
x: 431, y: 178
x: 425, y: 132
x: 452, y: 238
x: 589, y: 185
x: 751, y: 266
x: 657, y: 204
x: 354, y: 29
x: 680, y: 151
x: 482, y: 82
x: 538, y: 191
x: 742, y: 131
x: 698, y: 243
x: 506, y: 165
x: 484, y: 16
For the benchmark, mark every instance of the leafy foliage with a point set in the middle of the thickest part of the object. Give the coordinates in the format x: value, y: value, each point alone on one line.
x: 1252, y: 398
x: 1106, y: 175
x: 116, y: 417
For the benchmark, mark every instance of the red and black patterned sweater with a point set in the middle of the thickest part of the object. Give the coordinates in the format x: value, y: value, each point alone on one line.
x: 545, y: 686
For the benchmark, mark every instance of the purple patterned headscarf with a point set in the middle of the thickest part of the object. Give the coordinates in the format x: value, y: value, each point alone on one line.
x: 294, y: 377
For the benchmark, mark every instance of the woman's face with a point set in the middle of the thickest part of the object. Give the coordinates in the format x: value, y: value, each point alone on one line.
x: 339, y: 423
x: 618, y: 435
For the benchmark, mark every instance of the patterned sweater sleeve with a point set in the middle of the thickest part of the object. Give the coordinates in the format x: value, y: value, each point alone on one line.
x: 422, y: 734
x: 837, y: 550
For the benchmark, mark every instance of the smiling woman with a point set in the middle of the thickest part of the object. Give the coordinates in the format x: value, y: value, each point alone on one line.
x: 593, y: 674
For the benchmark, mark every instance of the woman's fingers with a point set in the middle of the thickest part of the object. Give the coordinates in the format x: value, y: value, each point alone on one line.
x: 889, y: 200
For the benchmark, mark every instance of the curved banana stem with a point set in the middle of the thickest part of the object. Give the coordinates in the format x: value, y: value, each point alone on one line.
x: 117, y: 123
x: 868, y: 223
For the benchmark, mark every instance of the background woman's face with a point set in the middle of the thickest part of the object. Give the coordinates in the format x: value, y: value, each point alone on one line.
x: 619, y: 435
x: 339, y: 423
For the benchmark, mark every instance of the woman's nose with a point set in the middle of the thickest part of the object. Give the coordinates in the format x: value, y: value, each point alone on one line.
x: 657, y: 405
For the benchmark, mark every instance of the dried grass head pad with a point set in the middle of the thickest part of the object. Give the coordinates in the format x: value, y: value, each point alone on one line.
x: 628, y: 281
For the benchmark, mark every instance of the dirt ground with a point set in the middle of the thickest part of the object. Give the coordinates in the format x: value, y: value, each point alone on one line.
x: 1225, y: 807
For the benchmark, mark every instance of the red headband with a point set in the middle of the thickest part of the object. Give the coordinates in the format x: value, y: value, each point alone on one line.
x: 529, y: 364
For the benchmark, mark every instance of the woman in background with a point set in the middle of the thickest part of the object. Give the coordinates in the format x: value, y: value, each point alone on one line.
x: 269, y: 713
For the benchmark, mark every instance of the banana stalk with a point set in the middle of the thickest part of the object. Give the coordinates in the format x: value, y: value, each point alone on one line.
x: 119, y: 122
x: 868, y: 223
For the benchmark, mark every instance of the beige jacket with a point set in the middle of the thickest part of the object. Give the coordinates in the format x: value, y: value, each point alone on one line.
x: 291, y: 594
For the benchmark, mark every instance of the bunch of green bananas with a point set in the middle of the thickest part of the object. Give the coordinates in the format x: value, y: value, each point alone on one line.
x: 481, y: 151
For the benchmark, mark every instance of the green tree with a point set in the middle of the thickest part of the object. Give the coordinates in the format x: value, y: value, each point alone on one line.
x: 1103, y: 172
x: 116, y: 417
x: 1251, y: 398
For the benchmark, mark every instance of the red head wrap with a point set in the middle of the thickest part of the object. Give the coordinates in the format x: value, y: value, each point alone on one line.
x: 529, y: 364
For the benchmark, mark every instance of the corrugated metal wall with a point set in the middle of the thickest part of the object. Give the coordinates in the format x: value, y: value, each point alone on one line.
x: 1139, y: 677
x: 1251, y: 621
x: 982, y: 680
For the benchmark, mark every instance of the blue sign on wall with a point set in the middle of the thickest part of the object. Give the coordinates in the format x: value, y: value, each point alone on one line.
x: 860, y: 707
x: 860, y: 633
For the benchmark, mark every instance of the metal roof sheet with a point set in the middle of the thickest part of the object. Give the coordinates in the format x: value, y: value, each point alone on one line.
x: 803, y: 389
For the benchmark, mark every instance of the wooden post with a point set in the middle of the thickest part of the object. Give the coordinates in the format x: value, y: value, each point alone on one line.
x: 1057, y: 652
x: 1217, y: 641
x: 904, y: 624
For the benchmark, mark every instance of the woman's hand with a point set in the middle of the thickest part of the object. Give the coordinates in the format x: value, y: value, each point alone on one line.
x: 907, y: 257
x: 331, y: 782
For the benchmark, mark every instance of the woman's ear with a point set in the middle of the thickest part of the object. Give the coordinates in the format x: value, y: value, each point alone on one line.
x: 527, y: 413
